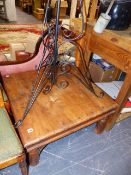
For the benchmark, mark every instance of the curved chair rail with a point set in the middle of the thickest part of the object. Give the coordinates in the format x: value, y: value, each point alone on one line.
x: 10, y: 67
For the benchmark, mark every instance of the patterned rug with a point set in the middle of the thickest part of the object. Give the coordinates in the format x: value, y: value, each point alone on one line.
x: 21, y: 34
x: 16, y: 33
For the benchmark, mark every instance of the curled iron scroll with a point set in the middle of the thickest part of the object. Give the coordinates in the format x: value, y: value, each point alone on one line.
x: 51, y: 68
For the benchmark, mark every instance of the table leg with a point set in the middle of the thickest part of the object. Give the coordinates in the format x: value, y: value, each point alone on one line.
x: 121, y: 99
x: 34, y: 157
x: 100, y: 125
x: 23, y: 165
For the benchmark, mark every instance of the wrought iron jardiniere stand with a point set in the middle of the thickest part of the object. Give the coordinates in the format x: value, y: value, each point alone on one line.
x: 50, y: 67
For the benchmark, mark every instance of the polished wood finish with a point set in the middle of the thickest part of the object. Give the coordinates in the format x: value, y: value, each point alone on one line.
x: 115, y: 47
x: 55, y: 115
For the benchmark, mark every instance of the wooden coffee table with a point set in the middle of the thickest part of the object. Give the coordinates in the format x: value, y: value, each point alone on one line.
x: 55, y: 115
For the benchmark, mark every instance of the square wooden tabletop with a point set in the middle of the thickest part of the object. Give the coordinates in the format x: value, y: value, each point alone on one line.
x: 56, y: 114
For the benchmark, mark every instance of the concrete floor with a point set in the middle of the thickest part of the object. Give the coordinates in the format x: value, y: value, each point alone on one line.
x: 84, y: 152
x: 22, y: 18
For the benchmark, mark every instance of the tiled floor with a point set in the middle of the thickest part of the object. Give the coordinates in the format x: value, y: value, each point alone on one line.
x: 84, y: 152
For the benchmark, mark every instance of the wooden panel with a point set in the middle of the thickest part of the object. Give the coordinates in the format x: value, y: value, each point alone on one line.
x: 93, y: 8
x: 87, y: 5
x: 1, y: 99
x: 8, y: 162
x: 121, y: 39
x: 116, y: 38
x: 114, y: 54
x: 73, y: 9
x: 57, y: 114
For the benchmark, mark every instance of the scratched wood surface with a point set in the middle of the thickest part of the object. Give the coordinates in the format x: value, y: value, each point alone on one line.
x: 57, y: 114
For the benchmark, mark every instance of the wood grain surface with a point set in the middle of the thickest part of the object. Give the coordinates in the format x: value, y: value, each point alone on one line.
x: 115, y: 47
x: 57, y: 114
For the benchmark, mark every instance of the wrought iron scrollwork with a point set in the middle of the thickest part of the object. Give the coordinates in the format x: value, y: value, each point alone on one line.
x: 50, y: 67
